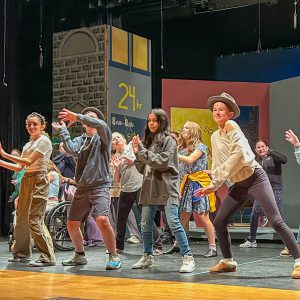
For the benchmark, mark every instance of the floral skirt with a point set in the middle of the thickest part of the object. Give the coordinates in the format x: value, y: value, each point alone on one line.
x: 188, y: 205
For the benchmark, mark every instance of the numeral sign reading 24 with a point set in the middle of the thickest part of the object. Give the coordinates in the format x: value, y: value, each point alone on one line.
x: 129, y: 94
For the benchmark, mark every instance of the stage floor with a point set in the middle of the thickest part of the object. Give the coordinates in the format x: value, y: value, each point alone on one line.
x: 261, y: 270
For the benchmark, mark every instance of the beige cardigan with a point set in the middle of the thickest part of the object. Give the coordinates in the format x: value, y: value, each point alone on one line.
x: 232, y: 157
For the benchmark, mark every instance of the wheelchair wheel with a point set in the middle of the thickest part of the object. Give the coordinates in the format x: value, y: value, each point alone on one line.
x: 56, y: 222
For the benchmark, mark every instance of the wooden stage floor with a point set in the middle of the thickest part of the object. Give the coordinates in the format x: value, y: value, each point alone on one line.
x: 261, y: 274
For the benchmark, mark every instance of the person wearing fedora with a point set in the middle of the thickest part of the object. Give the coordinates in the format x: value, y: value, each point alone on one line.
x: 233, y: 159
x: 93, y: 150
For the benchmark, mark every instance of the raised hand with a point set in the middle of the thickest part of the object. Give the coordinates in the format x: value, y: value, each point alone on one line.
x: 116, y: 162
x: 129, y: 161
x: 135, y: 143
x: 67, y: 116
x: 58, y: 125
x: 291, y: 137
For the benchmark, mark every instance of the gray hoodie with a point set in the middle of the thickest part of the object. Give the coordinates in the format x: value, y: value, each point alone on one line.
x: 93, y: 153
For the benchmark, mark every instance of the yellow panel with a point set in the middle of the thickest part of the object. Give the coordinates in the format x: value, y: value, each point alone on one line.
x: 140, y: 53
x: 203, y: 117
x: 119, y: 44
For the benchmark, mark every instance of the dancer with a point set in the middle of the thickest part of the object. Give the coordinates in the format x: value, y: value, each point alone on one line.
x: 271, y: 162
x: 233, y: 159
x: 131, y: 182
x: 192, y: 164
x: 157, y: 159
x: 66, y: 164
x: 33, y: 195
x: 93, y: 150
x: 55, y: 180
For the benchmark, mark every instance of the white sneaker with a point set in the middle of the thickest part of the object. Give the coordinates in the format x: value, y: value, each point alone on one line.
x: 188, y: 264
x: 249, y: 244
x: 147, y: 261
x: 75, y: 260
x: 114, y: 262
x: 192, y: 225
x: 133, y: 240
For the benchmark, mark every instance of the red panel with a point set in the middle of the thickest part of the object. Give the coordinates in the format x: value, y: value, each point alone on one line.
x: 194, y: 94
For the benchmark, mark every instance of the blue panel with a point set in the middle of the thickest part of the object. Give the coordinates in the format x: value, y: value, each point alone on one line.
x: 248, y: 121
x: 128, y: 126
x: 267, y: 66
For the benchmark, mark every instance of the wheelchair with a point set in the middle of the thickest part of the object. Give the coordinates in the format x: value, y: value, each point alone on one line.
x: 56, y: 222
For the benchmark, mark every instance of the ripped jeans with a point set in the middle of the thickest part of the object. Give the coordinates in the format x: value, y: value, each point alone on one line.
x: 171, y: 210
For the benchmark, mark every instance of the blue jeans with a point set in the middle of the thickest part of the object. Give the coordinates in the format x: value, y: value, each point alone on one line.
x: 298, y: 236
x: 171, y: 210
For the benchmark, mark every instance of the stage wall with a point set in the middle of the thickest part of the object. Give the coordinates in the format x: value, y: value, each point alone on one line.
x: 194, y: 94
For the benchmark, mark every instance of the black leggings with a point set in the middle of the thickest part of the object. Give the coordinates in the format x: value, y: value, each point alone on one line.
x: 258, y: 186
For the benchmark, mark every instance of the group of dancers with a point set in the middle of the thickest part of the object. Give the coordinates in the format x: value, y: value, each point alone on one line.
x: 158, y: 158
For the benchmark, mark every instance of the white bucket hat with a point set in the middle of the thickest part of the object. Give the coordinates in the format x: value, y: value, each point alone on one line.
x: 228, y: 100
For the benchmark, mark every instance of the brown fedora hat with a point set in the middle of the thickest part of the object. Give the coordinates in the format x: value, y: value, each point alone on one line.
x: 228, y: 100
x: 95, y: 110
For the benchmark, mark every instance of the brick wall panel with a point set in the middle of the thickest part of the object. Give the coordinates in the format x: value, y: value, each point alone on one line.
x: 78, y: 81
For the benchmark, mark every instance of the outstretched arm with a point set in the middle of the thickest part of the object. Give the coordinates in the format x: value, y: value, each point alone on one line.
x: 190, y: 159
x: 71, y: 146
x: 10, y: 166
x: 22, y: 161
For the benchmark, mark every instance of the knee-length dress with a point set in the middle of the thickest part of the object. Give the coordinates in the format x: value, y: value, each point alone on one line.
x: 187, y: 202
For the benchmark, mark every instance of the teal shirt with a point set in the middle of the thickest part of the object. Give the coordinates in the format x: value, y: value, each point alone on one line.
x: 18, y: 177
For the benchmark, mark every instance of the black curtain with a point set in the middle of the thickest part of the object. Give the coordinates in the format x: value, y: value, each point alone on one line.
x: 9, y: 95
x: 29, y: 85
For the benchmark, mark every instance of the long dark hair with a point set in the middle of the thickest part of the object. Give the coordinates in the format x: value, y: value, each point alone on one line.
x: 163, y: 127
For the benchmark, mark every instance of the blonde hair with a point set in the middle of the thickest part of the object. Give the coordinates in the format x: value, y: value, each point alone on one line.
x: 114, y: 134
x: 194, y: 138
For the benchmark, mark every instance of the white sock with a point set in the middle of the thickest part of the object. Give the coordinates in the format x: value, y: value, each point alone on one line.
x: 297, y: 262
x: 227, y: 259
x: 212, y: 247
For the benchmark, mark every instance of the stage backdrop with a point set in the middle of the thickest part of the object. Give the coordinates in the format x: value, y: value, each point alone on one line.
x: 277, y: 109
x: 192, y: 95
x: 284, y: 114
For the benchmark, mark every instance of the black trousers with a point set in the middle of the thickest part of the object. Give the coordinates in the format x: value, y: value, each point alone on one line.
x: 126, y: 201
x: 258, y: 186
